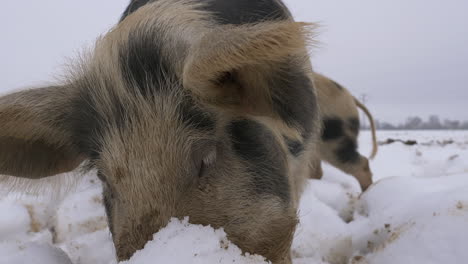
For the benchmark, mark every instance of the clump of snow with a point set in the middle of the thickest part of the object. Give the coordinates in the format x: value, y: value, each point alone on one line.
x: 414, y: 220
x: 322, y: 234
x: 21, y: 253
x: 96, y: 247
x: 181, y: 242
x: 14, y: 221
x: 416, y: 212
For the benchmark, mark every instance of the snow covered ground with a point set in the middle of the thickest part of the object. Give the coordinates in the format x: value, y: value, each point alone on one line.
x: 416, y: 212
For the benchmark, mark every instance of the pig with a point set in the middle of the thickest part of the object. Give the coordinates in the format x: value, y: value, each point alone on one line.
x: 188, y: 108
x: 340, y: 128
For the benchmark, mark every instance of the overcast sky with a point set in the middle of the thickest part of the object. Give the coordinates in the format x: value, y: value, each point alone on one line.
x: 409, y: 56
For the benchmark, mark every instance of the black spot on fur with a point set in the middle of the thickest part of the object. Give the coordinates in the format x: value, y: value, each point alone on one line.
x: 89, y: 125
x: 347, y: 151
x: 232, y: 11
x: 266, y: 162
x: 332, y: 129
x: 295, y: 147
x: 133, y: 6
x: 143, y: 66
x: 354, y: 125
x: 293, y: 97
x: 86, y: 125
x: 196, y: 117
x: 239, y: 12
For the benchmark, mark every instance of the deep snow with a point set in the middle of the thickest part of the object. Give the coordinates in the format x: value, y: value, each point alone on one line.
x: 416, y: 212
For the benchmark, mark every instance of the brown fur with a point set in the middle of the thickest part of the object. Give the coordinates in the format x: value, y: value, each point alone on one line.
x: 153, y: 165
x: 336, y: 102
x: 21, y: 123
x: 259, y: 47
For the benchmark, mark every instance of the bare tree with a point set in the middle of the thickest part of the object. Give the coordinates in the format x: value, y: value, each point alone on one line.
x: 415, y: 122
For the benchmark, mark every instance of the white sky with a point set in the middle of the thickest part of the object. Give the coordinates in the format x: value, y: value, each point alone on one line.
x: 409, y: 56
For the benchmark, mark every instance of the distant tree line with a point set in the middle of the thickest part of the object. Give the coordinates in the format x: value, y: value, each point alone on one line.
x: 417, y: 123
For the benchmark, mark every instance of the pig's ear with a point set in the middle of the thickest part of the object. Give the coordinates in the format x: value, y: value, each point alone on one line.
x: 35, y: 140
x: 230, y: 66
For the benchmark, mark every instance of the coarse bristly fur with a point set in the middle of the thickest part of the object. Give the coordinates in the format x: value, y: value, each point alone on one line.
x: 338, y: 145
x: 182, y: 113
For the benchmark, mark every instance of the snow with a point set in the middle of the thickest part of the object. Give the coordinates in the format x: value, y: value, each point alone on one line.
x: 200, y: 244
x: 416, y: 212
x: 424, y: 221
x: 14, y: 220
x: 14, y: 252
x: 80, y: 213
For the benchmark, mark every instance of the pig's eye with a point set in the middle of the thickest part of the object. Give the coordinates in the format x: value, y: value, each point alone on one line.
x: 208, y: 160
x: 210, y: 157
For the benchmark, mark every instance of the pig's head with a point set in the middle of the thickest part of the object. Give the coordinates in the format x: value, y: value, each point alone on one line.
x: 180, y: 117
